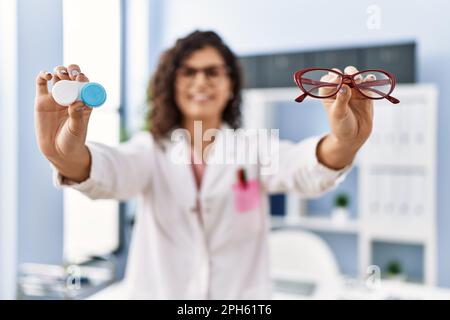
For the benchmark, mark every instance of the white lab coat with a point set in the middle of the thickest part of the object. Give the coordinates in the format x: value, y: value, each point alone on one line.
x: 175, y: 256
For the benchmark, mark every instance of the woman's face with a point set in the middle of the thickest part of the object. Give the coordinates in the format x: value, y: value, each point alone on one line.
x: 202, y: 86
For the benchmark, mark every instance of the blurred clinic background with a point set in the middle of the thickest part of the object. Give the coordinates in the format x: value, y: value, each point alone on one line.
x: 383, y: 234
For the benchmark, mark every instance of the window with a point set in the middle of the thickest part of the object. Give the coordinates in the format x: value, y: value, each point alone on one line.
x: 8, y: 148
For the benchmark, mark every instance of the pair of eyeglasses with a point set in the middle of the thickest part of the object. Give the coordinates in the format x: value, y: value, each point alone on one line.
x: 212, y: 73
x: 325, y: 83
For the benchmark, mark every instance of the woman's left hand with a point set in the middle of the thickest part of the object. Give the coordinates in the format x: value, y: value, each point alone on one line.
x: 350, y: 117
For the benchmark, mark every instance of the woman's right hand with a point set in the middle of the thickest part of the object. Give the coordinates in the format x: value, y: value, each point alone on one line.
x: 61, y: 131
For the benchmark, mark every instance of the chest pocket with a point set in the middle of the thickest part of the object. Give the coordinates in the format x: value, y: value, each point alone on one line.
x: 246, y: 196
x: 247, y: 203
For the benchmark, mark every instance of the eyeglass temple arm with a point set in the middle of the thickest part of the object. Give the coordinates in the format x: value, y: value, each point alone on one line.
x: 378, y: 83
x: 318, y: 85
x: 389, y: 98
x: 364, y: 85
x: 392, y: 99
x: 301, y: 98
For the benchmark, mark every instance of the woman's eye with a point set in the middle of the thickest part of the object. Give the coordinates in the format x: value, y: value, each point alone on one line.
x: 190, y: 73
x: 212, y: 73
x: 186, y: 72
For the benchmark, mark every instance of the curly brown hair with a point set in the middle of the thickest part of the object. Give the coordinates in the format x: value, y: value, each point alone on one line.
x: 164, y: 114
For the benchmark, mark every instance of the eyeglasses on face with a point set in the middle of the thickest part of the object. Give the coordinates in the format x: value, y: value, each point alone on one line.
x: 213, y: 74
x: 325, y: 83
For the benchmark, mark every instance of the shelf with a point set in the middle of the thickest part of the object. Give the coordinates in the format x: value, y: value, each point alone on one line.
x: 317, y: 224
x: 391, y: 171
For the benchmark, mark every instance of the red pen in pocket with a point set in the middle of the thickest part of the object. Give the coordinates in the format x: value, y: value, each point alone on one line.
x: 246, y: 192
x: 242, y: 177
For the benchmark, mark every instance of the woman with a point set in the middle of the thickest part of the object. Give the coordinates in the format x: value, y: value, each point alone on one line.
x: 201, y: 229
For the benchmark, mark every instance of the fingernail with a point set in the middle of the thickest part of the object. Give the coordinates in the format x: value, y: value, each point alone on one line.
x: 343, y: 90
x: 75, y: 73
x: 63, y: 71
x: 80, y: 109
x: 48, y: 74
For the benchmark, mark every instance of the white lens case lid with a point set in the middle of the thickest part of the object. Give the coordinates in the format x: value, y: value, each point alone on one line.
x: 66, y: 92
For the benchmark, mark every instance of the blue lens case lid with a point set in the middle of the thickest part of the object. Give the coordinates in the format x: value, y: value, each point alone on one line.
x: 93, y: 94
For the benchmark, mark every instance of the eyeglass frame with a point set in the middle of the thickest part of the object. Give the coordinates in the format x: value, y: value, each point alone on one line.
x: 348, y: 80
x: 204, y: 71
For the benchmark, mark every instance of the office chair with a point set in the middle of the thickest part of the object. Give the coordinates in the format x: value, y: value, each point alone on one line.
x: 299, y: 254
